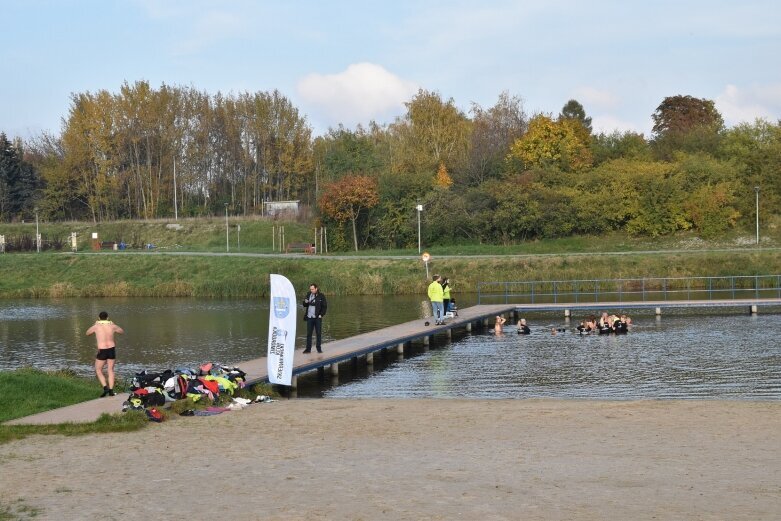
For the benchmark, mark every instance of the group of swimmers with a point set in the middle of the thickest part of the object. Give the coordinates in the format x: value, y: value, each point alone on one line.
x: 606, y: 324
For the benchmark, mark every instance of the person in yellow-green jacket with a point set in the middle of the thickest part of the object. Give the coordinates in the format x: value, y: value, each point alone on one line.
x: 436, y: 295
x: 445, y: 295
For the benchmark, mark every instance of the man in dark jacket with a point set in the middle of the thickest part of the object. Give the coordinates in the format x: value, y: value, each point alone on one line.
x: 315, y: 307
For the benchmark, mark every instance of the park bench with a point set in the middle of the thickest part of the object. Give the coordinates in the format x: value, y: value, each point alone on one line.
x: 303, y: 247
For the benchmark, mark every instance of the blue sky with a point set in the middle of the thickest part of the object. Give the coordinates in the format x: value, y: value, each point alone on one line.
x: 353, y: 61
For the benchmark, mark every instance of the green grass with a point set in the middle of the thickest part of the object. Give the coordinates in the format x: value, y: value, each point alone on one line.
x: 201, y: 234
x: 120, y: 422
x: 29, y: 391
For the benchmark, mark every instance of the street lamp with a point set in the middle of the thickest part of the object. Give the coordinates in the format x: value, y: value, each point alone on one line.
x: 419, y: 208
x: 227, y: 241
x: 756, y: 189
x: 37, y: 235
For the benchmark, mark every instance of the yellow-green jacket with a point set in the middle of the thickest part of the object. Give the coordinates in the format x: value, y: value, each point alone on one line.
x: 435, y: 292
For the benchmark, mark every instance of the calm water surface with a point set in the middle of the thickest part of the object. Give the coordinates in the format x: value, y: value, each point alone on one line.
x: 677, y: 356
x: 167, y: 333
x: 724, y: 353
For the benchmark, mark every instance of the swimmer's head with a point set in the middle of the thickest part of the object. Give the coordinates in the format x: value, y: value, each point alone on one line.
x: 103, y: 315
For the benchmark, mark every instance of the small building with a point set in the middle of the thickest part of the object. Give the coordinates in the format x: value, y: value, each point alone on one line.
x: 274, y: 208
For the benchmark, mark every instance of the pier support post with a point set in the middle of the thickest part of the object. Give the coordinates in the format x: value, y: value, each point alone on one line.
x: 567, y: 313
x: 658, y: 311
x: 754, y: 309
x: 469, y: 327
x: 370, y: 358
x: 294, y: 382
x: 400, y: 348
x: 335, y: 370
x: 449, y: 332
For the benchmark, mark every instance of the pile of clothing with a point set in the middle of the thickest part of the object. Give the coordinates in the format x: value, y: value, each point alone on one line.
x: 150, y: 390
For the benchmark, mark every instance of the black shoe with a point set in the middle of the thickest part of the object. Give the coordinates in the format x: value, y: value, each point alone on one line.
x: 111, y: 392
x: 319, y: 351
x: 105, y: 392
x: 306, y: 351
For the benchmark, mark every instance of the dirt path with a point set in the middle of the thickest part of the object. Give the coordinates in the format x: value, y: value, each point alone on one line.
x: 416, y: 459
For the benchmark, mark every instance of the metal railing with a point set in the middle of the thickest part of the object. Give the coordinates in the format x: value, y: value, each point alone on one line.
x: 655, y: 289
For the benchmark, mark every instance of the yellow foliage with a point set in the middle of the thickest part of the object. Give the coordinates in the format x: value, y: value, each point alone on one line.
x: 443, y: 179
x: 553, y: 143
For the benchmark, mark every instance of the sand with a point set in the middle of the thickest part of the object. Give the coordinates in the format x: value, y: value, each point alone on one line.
x: 416, y: 459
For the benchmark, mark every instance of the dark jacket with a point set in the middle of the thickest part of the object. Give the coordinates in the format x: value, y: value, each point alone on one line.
x: 321, y: 305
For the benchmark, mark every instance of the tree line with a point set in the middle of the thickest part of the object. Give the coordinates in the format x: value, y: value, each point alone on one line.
x: 492, y: 174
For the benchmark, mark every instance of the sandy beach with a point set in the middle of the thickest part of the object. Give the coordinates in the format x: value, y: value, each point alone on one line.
x: 416, y: 459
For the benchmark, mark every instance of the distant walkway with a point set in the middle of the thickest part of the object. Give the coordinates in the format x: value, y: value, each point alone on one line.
x: 333, y: 353
x: 417, y: 257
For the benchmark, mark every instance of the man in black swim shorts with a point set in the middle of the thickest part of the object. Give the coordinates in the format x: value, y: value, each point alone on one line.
x: 104, y: 330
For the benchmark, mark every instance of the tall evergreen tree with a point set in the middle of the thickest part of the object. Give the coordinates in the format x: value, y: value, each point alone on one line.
x: 18, y: 182
x: 574, y: 110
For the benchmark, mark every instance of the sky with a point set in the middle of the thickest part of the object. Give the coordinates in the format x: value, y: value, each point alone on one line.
x: 351, y: 62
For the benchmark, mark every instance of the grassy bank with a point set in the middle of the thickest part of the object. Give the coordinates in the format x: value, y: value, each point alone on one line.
x: 118, y: 274
x: 202, y: 234
x: 256, y: 236
x: 29, y: 391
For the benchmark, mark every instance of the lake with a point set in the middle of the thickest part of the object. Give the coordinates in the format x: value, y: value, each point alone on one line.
x: 721, y: 353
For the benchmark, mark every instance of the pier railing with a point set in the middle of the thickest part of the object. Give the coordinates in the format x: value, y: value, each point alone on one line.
x: 657, y: 289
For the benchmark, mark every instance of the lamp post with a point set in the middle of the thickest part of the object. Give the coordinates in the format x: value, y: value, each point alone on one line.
x: 756, y: 189
x: 37, y: 235
x: 227, y: 236
x: 419, y: 208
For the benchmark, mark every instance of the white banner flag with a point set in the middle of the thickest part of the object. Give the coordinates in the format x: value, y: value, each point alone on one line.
x: 281, y: 330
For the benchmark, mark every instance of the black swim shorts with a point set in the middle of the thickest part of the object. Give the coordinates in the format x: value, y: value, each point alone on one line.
x: 106, y: 354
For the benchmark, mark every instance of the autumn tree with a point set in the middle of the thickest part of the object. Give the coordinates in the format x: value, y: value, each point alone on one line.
x: 344, y: 199
x: 432, y: 131
x: 686, y: 123
x: 680, y: 114
x: 493, y: 131
x: 550, y: 143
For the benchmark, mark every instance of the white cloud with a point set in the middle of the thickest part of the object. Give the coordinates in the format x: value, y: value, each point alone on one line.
x: 591, y: 97
x: 362, y: 92
x: 608, y: 124
x: 745, y: 104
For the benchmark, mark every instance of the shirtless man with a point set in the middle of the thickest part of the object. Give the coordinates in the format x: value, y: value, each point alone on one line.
x: 104, y: 330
